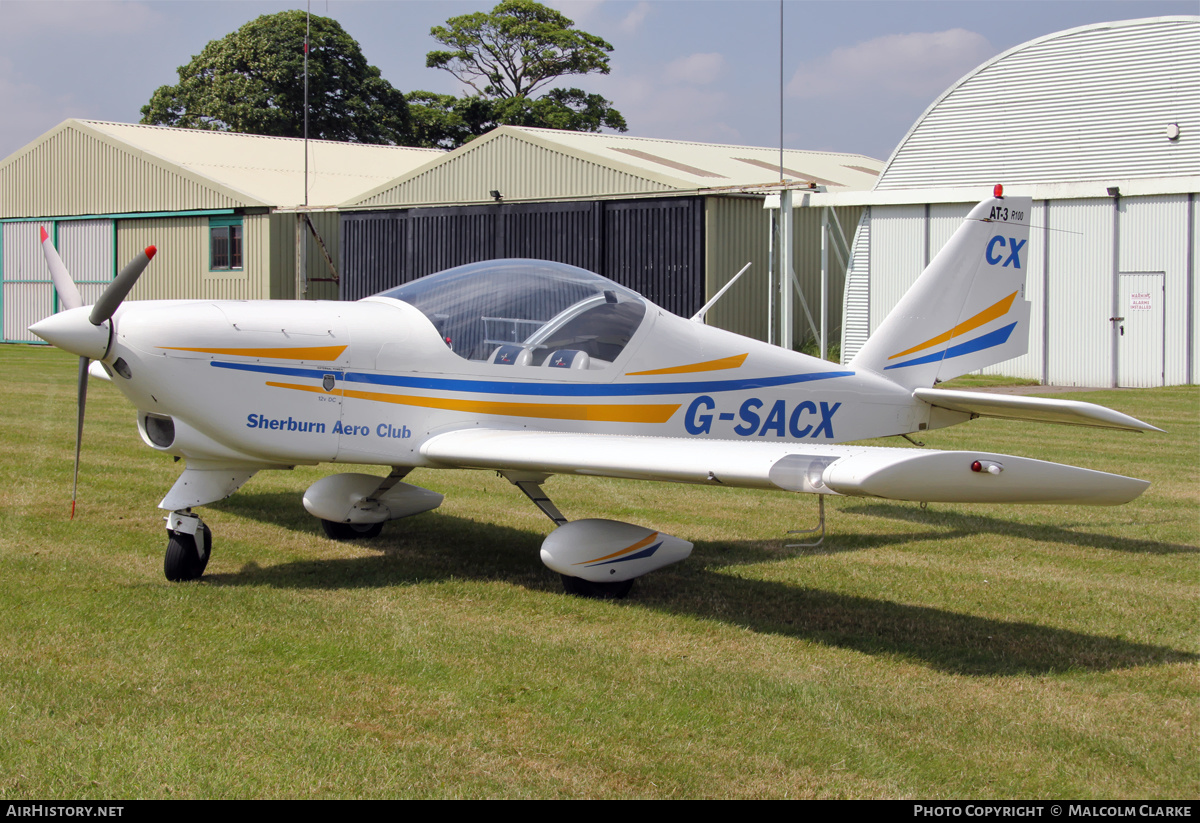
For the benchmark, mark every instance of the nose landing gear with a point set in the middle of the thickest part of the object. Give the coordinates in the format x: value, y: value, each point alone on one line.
x: 189, y: 545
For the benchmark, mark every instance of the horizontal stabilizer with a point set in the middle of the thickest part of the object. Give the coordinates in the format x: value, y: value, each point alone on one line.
x: 1036, y: 409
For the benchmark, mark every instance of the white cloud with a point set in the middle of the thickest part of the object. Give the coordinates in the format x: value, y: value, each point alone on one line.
x: 25, y: 18
x: 922, y: 64
x: 29, y: 110
x: 632, y: 22
x: 673, y: 111
x: 697, y: 69
x: 577, y: 10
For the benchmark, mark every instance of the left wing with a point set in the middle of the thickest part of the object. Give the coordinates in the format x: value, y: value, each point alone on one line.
x: 867, y: 471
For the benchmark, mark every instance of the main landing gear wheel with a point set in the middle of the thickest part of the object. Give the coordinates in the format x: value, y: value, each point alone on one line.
x: 351, y: 531
x: 599, y: 591
x: 187, y: 555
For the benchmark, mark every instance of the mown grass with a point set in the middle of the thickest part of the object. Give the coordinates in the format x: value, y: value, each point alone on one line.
x: 954, y: 651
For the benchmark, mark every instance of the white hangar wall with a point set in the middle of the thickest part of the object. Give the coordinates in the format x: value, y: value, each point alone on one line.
x: 1089, y: 260
x: 1101, y: 126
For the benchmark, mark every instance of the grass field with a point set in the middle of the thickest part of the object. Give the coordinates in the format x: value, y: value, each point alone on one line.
x: 955, y: 651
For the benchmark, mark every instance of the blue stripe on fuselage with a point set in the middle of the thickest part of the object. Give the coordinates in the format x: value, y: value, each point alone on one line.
x: 537, y: 388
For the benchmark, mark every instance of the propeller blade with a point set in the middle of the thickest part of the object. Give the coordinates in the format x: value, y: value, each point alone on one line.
x: 120, y: 287
x: 83, y: 381
x: 68, y: 295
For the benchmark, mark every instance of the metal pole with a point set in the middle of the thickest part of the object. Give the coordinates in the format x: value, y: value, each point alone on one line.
x: 771, y: 278
x: 301, y: 234
x: 307, y: 30
x: 824, y: 279
x: 786, y: 275
x: 300, y: 245
x: 781, y: 91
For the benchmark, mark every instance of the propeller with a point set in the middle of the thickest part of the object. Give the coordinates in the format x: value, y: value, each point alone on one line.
x: 102, y: 312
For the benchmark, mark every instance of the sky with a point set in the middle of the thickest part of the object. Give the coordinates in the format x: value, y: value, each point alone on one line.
x: 856, y: 74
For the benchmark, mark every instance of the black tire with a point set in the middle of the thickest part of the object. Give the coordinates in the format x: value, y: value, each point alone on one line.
x: 351, y: 531
x: 579, y: 587
x: 205, y: 546
x: 183, y: 561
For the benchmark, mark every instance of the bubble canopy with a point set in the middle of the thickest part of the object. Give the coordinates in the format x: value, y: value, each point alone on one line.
x: 522, y: 311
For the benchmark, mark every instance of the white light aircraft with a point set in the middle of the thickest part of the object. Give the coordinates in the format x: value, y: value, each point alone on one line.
x: 533, y: 368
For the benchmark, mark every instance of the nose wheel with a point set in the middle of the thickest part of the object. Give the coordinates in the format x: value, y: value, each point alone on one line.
x: 189, y: 545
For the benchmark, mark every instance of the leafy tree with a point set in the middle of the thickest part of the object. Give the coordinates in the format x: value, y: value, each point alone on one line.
x: 446, y: 121
x: 252, y: 81
x: 507, y: 55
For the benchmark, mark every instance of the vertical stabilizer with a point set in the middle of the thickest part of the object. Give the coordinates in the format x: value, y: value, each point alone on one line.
x: 967, y: 310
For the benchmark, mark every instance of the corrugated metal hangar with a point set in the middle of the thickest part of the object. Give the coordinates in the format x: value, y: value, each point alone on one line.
x: 673, y: 220
x: 1101, y: 126
x: 224, y: 210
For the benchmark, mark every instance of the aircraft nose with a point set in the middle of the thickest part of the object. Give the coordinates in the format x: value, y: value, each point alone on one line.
x: 72, y: 331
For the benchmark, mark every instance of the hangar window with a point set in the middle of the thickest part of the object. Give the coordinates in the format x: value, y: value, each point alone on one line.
x: 224, y: 243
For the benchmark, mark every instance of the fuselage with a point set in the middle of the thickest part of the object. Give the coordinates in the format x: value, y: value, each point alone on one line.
x: 370, y: 381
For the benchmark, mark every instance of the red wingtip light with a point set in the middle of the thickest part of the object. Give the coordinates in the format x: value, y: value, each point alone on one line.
x: 151, y: 251
x: 43, y: 231
x: 998, y: 191
x: 976, y: 466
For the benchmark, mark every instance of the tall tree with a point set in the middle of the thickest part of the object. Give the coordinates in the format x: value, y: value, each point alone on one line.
x: 507, y: 55
x: 253, y: 81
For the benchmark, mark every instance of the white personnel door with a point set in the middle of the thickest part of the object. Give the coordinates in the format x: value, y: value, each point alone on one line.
x: 1140, y: 330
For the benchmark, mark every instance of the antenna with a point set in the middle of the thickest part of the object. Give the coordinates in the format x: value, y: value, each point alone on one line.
x: 307, y: 31
x: 698, y: 317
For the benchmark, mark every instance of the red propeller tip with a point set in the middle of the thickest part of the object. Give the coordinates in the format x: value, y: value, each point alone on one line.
x: 43, y: 231
x: 151, y: 251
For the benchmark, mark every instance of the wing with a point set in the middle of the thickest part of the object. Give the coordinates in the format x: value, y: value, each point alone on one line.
x: 896, y: 474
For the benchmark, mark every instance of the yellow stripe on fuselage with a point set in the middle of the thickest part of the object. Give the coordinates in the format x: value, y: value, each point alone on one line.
x: 707, y: 365
x: 993, y: 311
x: 293, y: 353
x: 618, y: 413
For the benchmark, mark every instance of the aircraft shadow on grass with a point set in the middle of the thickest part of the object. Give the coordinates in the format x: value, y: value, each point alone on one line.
x: 439, y: 547
x: 953, y: 525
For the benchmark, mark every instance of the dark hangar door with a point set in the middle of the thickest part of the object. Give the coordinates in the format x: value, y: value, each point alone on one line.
x: 652, y: 246
x: 656, y: 248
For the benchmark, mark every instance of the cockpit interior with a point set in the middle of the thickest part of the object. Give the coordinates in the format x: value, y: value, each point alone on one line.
x: 527, y: 313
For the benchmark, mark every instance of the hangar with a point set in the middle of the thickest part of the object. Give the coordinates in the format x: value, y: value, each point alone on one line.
x: 673, y: 220
x: 227, y: 212
x: 1101, y: 125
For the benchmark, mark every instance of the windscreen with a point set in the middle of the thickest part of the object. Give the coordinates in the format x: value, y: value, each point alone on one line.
x: 535, y: 304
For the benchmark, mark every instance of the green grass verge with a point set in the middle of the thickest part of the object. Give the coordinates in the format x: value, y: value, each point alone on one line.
x: 954, y: 651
